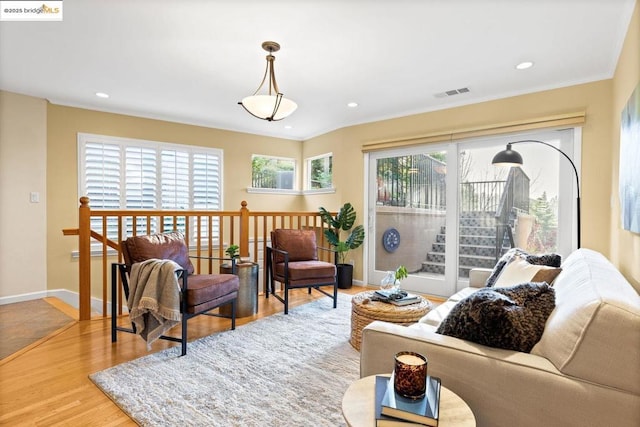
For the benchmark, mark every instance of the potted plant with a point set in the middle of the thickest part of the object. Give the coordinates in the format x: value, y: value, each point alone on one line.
x: 401, y: 273
x: 392, y: 279
x: 343, y: 222
x: 232, y: 251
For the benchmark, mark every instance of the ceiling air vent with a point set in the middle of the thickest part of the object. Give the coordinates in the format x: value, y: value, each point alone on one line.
x: 451, y: 92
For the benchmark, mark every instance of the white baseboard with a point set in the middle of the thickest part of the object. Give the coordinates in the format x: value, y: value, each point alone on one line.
x: 72, y: 298
x: 68, y: 297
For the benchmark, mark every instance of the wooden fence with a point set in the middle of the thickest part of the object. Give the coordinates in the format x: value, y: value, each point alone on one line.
x: 209, y: 233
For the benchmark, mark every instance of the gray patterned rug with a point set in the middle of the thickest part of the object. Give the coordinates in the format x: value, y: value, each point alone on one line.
x: 278, y: 371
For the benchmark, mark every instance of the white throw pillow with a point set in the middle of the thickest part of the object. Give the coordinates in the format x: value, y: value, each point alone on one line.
x: 520, y: 271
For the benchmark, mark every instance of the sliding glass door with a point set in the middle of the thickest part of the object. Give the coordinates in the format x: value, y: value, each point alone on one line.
x: 442, y: 209
x: 409, y: 203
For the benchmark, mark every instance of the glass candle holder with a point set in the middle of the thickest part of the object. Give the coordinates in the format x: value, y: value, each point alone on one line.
x: 410, y: 374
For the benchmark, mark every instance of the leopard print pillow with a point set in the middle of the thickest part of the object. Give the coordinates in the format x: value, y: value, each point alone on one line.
x: 512, y: 318
x: 551, y: 260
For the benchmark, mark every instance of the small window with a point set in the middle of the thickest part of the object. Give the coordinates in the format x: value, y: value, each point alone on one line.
x: 273, y: 172
x: 319, y: 172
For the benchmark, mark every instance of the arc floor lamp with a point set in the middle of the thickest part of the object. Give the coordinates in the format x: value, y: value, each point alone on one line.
x: 510, y: 157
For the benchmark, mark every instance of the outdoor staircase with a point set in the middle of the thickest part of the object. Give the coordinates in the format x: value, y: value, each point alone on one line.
x: 477, y: 245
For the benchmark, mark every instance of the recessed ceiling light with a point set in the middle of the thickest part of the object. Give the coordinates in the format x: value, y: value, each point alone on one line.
x: 288, y: 127
x: 352, y: 104
x: 102, y: 95
x: 524, y: 65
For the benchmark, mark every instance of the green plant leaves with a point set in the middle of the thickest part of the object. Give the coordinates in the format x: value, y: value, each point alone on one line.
x: 346, y: 217
x: 343, y: 221
x: 356, y: 238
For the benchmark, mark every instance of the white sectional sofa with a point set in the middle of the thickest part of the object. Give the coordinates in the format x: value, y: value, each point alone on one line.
x: 584, y: 371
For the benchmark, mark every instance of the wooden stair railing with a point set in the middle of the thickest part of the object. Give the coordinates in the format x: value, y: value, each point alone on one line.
x: 249, y: 230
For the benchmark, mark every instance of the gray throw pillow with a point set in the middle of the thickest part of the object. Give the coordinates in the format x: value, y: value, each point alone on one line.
x: 551, y: 260
x: 512, y: 318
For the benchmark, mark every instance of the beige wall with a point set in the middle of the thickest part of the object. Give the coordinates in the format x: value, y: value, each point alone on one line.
x: 23, y: 167
x: 64, y: 123
x: 625, y: 246
x: 593, y: 98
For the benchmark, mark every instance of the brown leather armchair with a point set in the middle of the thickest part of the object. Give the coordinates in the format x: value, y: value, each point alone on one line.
x: 199, y: 293
x: 292, y: 259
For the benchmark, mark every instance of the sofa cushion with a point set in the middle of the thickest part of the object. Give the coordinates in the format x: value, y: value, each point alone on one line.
x: 319, y: 271
x: 594, y: 331
x: 552, y: 260
x: 518, y: 271
x: 435, y: 316
x: 512, y: 318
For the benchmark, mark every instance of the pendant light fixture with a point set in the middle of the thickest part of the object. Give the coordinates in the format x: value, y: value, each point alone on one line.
x: 272, y: 106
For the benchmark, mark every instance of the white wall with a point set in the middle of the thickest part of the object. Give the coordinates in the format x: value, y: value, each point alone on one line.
x: 23, y: 224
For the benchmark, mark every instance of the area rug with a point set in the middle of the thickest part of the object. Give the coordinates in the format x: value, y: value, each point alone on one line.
x: 278, y: 371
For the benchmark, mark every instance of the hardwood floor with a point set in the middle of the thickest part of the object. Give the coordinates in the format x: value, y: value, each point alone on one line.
x: 48, y: 384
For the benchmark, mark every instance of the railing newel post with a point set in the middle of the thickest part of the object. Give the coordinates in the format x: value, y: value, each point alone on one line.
x: 84, y: 250
x: 244, y: 229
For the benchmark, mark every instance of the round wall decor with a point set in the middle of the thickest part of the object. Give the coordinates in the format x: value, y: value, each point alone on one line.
x: 391, y: 239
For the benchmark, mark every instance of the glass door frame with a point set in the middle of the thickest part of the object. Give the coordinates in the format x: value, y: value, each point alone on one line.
x: 450, y: 282
x: 437, y: 285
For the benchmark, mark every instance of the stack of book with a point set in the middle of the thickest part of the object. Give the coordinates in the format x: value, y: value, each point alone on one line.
x: 393, y: 410
x: 396, y: 297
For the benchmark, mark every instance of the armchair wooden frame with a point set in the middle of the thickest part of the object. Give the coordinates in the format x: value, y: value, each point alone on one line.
x: 182, y: 274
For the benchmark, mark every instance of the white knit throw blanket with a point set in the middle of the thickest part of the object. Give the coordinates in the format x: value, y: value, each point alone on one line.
x: 154, y: 298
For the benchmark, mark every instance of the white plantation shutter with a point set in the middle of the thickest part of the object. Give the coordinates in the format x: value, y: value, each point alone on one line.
x: 141, y: 182
x: 206, y: 181
x: 176, y: 182
x: 141, y: 178
x: 101, y: 179
x: 119, y: 173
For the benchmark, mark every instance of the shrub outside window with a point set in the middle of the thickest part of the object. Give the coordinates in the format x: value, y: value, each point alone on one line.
x: 273, y: 172
x: 319, y: 172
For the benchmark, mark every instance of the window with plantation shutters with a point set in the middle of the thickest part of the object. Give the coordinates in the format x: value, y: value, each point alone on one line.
x: 121, y: 173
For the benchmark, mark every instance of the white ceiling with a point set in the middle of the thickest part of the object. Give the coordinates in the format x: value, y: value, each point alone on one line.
x: 191, y: 61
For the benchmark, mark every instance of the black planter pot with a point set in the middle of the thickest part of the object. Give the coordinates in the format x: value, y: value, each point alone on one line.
x: 345, y: 276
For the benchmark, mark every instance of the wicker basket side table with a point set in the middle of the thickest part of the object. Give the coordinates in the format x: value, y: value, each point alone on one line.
x: 364, y: 311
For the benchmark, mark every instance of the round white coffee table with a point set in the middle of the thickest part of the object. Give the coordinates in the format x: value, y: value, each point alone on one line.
x: 358, y: 406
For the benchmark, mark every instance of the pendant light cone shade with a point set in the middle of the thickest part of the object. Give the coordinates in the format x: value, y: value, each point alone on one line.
x: 272, y: 105
x: 507, y: 157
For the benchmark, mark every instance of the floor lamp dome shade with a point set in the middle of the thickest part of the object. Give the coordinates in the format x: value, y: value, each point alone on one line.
x: 507, y: 157
x: 272, y: 105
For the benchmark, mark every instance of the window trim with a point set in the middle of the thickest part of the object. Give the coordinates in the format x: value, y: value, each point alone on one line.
x: 307, y: 175
x: 197, y: 156
x: 291, y: 191
x: 83, y: 138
